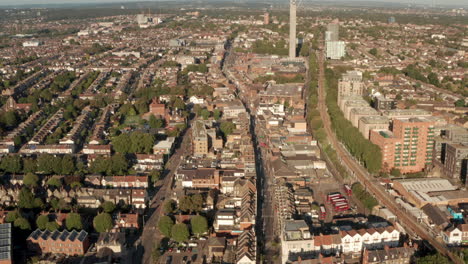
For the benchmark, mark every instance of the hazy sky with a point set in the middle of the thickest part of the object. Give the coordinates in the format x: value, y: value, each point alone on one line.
x: 21, y: 2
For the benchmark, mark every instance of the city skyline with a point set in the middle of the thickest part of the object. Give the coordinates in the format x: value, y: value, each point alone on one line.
x: 460, y: 3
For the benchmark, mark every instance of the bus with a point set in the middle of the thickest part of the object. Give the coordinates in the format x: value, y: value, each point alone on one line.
x: 340, y: 199
x: 341, y: 204
x: 333, y: 195
x: 341, y: 208
x: 348, y: 190
x: 323, y: 212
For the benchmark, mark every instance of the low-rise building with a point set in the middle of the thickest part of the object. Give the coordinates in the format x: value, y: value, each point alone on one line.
x: 58, y: 242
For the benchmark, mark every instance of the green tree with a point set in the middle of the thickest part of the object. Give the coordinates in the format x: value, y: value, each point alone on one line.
x: 29, y: 165
x: 199, y: 225
x: 169, y: 206
x: 165, y: 225
x: 100, y: 165
x: 155, y: 175
x: 121, y: 143
x: 42, y: 221
x: 197, y: 110
x: 68, y: 165
x: 205, y: 114
x: 59, y: 204
x: 54, y: 181
x: 26, y: 198
x: 102, y: 222
x: 12, y: 216
x: 180, y: 232
x: 395, y: 172
x: 460, y: 103
x: 304, y: 52
x: 179, y: 103
x: 433, y: 79
x: 10, y: 119
x: 227, y: 128
x: 22, y: 223
x: 373, y: 51
x: 197, y: 202
x: 155, y: 122
x: 46, y: 164
x: 11, y: 164
x: 216, y: 114
x: 30, y: 179
x: 52, y: 226
x: 186, y: 204
x: 74, y: 221
x: 119, y: 164
x: 108, y: 206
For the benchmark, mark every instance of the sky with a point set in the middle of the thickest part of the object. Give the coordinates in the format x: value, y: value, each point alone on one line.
x: 463, y: 3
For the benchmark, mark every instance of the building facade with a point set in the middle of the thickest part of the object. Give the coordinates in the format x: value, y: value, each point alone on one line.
x: 408, y: 147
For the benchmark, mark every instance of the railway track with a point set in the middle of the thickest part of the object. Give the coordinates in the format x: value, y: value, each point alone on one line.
x: 367, y: 180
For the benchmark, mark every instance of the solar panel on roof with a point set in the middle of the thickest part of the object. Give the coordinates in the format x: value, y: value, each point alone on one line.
x: 82, y: 236
x: 45, y: 234
x: 64, y: 235
x: 73, y: 235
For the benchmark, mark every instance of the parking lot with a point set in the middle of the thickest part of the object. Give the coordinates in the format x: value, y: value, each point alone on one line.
x: 322, y: 187
x: 193, y: 252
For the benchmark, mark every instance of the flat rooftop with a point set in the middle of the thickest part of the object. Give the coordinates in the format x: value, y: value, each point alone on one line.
x: 427, y: 185
x: 375, y: 119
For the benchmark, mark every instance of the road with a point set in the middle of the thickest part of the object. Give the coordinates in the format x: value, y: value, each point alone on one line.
x: 150, y: 234
x: 266, y: 223
x: 367, y: 180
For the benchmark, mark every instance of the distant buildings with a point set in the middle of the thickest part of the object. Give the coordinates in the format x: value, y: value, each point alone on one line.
x: 32, y: 43
x: 335, y: 49
x: 266, y: 18
x: 332, y: 33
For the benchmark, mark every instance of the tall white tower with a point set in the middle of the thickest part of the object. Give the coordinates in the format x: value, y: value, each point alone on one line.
x: 292, y: 29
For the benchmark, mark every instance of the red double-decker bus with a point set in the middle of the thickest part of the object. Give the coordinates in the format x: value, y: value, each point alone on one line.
x: 339, y: 200
x: 348, y: 190
x: 333, y: 196
x: 341, y: 208
x: 323, y: 212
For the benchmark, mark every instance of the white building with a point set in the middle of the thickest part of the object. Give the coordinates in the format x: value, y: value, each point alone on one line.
x: 335, y: 49
x: 32, y: 43
x: 196, y: 100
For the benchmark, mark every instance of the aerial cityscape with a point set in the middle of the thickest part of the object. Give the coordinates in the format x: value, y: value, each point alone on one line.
x: 233, y: 132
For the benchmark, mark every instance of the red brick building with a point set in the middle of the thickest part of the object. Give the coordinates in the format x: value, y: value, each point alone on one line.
x: 56, y: 242
x: 408, y: 147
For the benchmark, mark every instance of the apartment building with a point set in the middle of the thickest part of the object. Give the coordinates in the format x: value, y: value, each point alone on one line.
x: 351, y: 84
x: 199, y: 139
x: 368, y: 123
x: 296, y: 239
x: 408, y: 147
x: 456, y: 161
x: 56, y: 242
x: 5, y: 244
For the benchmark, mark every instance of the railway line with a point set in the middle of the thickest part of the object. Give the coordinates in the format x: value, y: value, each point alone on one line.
x: 366, y: 179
